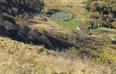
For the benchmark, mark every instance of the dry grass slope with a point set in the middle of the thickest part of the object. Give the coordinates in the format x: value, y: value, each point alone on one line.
x: 20, y: 58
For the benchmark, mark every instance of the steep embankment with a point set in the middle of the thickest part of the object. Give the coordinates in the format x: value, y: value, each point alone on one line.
x: 22, y: 32
x: 15, y: 28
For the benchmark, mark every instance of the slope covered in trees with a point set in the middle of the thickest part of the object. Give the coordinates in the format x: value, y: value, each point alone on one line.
x: 103, y: 13
x: 16, y: 7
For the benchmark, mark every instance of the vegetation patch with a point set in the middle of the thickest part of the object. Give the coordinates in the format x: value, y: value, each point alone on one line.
x: 70, y: 24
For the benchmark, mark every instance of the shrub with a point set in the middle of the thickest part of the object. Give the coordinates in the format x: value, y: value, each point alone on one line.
x: 88, y: 7
x: 100, y: 6
x: 113, y: 9
x: 114, y: 25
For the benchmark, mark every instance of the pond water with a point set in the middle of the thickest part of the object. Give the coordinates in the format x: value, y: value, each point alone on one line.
x: 62, y: 15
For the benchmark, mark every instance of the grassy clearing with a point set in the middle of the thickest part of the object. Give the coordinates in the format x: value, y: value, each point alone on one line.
x: 70, y: 24
x: 80, y: 14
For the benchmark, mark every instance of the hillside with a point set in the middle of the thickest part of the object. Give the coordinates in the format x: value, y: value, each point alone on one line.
x: 19, y: 58
x: 53, y: 37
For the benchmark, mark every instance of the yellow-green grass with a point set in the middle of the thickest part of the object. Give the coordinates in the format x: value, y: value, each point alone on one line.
x: 80, y: 16
x: 102, y: 55
x: 70, y: 24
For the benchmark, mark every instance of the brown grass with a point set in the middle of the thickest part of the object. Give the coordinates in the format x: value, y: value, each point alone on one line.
x: 20, y: 58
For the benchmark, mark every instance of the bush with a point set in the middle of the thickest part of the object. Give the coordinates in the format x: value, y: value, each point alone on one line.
x: 100, y: 6
x: 114, y: 25
x: 113, y: 9
x: 88, y: 7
